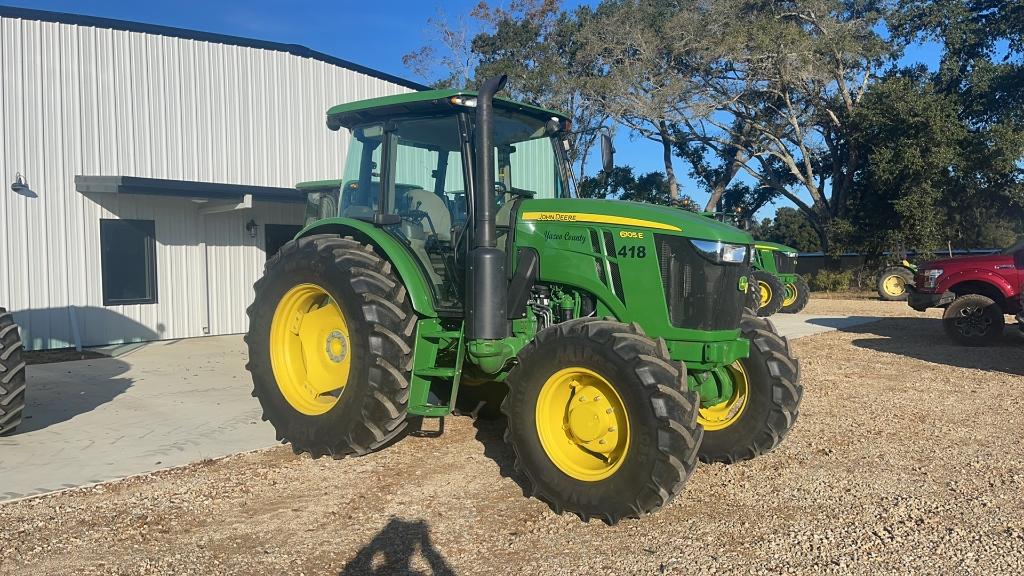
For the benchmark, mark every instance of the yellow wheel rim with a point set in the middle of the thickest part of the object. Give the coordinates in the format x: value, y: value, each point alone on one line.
x: 766, y: 293
x: 791, y: 294
x: 727, y: 413
x: 582, y: 424
x: 894, y: 285
x: 310, y: 349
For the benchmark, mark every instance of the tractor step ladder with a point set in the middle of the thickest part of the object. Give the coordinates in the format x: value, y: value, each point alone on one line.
x: 431, y: 340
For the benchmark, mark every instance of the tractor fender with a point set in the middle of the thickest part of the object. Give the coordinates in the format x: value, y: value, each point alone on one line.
x: 949, y: 283
x: 420, y: 292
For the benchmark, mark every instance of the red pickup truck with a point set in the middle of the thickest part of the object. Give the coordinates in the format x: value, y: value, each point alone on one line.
x: 976, y: 291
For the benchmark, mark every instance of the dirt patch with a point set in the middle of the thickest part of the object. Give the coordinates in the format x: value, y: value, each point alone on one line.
x: 854, y: 295
x: 906, y: 458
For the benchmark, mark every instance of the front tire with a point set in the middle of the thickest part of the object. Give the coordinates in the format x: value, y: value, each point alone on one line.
x: 330, y: 347
x: 765, y: 403
x: 973, y: 320
x: 12, y: 374
x: 893, y: 283
x: 600, y: 420
x: 800, y: 295
x: 771, y: 293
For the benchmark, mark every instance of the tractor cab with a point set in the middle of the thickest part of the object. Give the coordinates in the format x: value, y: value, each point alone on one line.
x: 409, y: 169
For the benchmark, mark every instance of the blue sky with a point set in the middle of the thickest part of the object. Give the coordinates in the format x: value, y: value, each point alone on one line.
x: 374, y: 34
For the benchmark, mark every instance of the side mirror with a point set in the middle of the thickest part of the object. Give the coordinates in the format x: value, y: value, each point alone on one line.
x: 607, y: 154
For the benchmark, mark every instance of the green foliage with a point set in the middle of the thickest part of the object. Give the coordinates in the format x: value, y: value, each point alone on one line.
x: 831, y: 280
x: 793, y: 99
x: 622, y: 184
x: 791, y: 228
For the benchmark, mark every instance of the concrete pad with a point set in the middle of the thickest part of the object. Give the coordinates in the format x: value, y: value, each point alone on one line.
x: 163, y: 405
x: 800, y: 325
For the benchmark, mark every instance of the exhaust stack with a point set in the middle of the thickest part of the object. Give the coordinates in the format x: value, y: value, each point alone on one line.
x: 487, y: 281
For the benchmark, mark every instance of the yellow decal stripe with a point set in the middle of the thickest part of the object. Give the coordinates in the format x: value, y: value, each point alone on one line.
x: 598, y: 219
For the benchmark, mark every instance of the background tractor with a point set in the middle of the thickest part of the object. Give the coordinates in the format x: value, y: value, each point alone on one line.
x: 774, y: 284
x: 895, y: 282
x: 779, y: 287
x: 458, y: 260
x: 12, y: 374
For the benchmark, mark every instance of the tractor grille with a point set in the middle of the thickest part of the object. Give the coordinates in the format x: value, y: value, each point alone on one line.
x: 785, y: 264
x: 701, y: 295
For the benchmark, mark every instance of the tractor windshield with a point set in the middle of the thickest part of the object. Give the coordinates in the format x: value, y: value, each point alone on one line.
x: 527, y: 162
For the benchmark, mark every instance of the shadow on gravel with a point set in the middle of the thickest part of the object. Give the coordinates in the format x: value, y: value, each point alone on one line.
x: 491, y: 433
x: 924, y: 339
x: 391, y: 551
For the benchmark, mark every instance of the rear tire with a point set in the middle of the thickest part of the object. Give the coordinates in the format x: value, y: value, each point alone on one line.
x: 773, y: 402
x: 771, y: 293
x: 893, y: 283
x: 657, y: 411
x: 803, y: 296
x: 973, y: 320
x: 12, y: 374
x: 372, y: 407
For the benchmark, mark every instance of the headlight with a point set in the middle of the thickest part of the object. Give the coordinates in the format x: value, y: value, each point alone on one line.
x: 931, y: 276
x: 721, y: 252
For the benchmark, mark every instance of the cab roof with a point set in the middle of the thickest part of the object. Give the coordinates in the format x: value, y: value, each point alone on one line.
x: 413, y: 103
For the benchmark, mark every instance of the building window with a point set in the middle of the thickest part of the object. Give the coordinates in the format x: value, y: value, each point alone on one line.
x: 129, y: 261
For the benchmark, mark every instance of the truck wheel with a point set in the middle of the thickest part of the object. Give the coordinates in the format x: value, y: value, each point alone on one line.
x: 973, y: 320
x: 797, y: 295
x: 893, y: 283
x: 600, y: 420
x: 771, y: 291
x: 764, y: 403
x: 330, y: 347
x: 12, y: 374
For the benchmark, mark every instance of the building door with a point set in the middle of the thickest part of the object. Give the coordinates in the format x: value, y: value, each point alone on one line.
x: 277, y: 235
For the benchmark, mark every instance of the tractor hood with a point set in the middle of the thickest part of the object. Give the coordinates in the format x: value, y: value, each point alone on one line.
x: 662, y: 219
x: 761, y: 244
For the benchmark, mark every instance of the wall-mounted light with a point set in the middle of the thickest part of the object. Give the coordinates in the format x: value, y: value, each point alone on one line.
x: 20, y: 186
x: 251, y: 228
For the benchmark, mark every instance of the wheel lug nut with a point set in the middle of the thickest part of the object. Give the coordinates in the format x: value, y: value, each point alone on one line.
x: 601, y: 441
x: 609, y: 411
x: 611, y: 428
x: 596, y: 398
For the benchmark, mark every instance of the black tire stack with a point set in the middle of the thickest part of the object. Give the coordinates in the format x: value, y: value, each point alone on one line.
x: 12, y: 374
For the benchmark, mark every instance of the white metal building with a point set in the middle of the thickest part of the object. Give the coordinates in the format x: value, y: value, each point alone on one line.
x: 147, y: 170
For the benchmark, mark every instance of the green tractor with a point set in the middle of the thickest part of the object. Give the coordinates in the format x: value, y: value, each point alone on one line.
x: 779, y: 287
x: 459, y: 262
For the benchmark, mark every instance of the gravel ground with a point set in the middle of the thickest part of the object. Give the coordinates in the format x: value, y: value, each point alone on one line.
x: 906, y: 459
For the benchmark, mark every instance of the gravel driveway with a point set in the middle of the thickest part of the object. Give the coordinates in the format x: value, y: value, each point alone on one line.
x: 907, y: 458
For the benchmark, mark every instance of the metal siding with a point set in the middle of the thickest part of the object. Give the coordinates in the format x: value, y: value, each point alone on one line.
x: 83, y: 100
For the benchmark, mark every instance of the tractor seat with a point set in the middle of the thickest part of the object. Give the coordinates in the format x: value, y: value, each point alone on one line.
x: 436, y: 208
